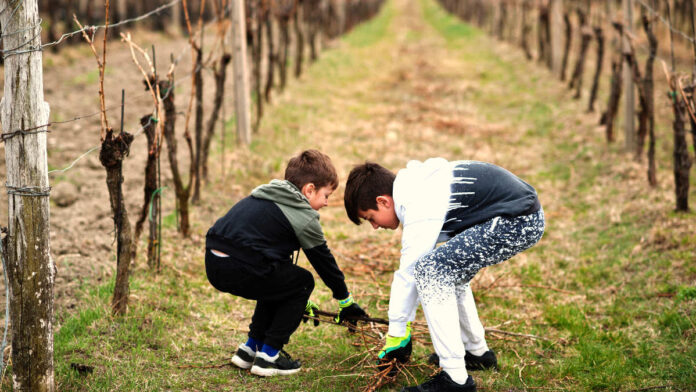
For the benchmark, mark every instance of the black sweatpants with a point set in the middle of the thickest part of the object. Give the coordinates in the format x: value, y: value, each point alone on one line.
x: 281, y: 296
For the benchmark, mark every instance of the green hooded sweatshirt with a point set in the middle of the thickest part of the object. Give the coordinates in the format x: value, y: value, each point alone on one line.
x: 296, y: 208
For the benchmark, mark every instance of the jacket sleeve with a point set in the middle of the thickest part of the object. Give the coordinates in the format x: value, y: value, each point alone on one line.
x: 324, y: 263
x: 418, y: 238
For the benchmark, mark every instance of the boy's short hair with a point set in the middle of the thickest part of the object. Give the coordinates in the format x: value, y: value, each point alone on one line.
x: 311, y: 166
x: 365, y: 183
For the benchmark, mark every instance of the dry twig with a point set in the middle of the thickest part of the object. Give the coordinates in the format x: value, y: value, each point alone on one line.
x: 154, y: 90
x: 101, y: 64
x: 523, y: 335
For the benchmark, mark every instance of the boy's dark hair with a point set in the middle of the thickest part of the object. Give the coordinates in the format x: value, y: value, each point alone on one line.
x: 365, y: 183
x: 311, y: 166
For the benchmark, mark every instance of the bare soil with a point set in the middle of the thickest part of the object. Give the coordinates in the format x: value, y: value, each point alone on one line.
x: 82, y: 228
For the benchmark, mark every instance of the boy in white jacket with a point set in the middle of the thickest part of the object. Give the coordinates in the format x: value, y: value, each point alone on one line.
x: 484, y: 215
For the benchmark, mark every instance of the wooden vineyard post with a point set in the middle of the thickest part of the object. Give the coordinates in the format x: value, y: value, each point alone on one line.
x: 256, y: 19
x: 557, y: 28
x: 30, y: 268
x: 241, y: 80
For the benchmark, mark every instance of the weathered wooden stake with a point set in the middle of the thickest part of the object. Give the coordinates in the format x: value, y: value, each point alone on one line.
x: 241, y: 80
x: 556, y: 35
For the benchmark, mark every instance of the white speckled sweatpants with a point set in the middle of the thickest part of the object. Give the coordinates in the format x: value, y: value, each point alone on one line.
x: 443, y: 275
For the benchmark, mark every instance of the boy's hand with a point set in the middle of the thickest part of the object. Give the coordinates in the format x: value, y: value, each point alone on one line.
x: 309, y: 312
x: 349, y: 311
x: 398, y: 348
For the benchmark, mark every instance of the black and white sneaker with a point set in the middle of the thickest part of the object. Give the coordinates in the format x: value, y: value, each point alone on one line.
x: 281, y: 364
x: 244, y: 357
x: 473, y: 362
x: 442, y: 382
x: 481, y: 362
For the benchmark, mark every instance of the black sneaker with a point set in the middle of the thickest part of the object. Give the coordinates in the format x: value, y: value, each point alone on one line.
x: 281, y: 364
x: 244, y: 357
x: 473, y: 362
x: 442, y: 382
x: 483, y: 362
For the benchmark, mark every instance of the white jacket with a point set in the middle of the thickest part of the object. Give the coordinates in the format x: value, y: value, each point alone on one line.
x: 421, y: 198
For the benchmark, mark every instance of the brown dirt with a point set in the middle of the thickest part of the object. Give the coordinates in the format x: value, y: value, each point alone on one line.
x: 82, y: 232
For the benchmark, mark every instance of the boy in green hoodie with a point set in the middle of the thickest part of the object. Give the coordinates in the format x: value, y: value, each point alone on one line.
x: 249, y: 253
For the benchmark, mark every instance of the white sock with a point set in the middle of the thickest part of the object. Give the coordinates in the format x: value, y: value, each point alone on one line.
x: 480, y: 351
x: 458, y: 375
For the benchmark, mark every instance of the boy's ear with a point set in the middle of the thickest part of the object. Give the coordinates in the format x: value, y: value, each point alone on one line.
x: 308, y: 189
x: 384, y: 201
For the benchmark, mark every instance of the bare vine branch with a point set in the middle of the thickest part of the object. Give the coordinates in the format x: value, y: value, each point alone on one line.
x: 154, y: 90
x: 101, y: 64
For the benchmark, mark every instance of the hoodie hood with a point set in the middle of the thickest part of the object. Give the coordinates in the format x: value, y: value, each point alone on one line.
x: 283, y: 192
x: 296, y: 208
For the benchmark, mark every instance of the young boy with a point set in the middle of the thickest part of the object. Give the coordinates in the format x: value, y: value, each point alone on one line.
x: 249, y: 253
x: 484, y: 215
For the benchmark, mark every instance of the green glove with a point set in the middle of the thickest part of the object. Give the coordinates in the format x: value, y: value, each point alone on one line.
x: 398, y: 347
x: 309, y: 312
x: 349, y: 311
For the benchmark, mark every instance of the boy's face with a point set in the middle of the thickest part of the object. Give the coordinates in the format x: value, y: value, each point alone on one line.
x: 318, y: 197
x: 384, y: 216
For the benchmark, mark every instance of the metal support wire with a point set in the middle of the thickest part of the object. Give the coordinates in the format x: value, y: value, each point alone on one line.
x: 141, y: 17
x: 28, y: 190
x: 667, y: 22
x: 16, y: 50
x: 14, y: 11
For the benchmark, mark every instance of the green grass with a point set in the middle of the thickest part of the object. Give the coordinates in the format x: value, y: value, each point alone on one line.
x: 609, y: 290
x: 447, y: 25
x: 370, y: 32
